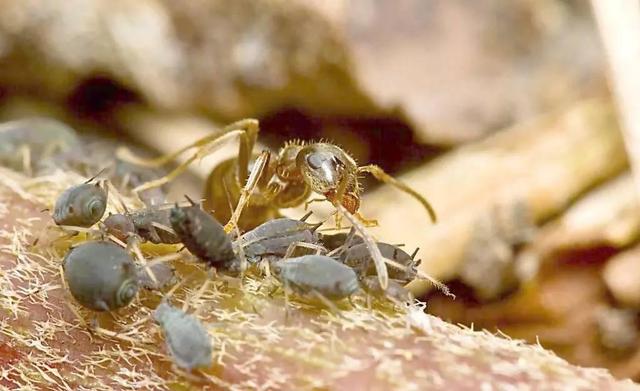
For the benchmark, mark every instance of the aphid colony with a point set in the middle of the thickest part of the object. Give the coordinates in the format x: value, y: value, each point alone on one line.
x: 102, y: 275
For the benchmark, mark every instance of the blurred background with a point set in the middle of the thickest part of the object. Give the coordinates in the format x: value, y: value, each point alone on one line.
x: 499, y: 112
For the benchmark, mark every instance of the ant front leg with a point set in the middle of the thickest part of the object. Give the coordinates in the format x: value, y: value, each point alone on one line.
x: 257, y: 173
x: 382, y: 176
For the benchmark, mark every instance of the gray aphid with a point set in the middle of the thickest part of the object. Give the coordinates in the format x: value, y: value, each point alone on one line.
x: 204, y: 237
x: 81, y: 205
x: 100, y: 275
x: 359, y: 258
x: 272, y: 239
x: 317, y: 273
x: 45, y: 138
x: 186, y: 338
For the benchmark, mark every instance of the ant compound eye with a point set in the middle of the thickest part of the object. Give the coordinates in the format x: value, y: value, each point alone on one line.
x: 315, y: 160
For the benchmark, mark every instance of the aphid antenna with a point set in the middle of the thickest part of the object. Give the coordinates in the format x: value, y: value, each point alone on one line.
x: 306, y: 216
x: 192, y: 202
x: 96, y: 175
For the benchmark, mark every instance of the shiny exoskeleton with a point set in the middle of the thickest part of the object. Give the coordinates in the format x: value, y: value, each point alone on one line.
x: 204, y: 237
x: 153, y: 225
x: 271, y: 240
x: 317, y: 274
x: 100, y: 275
x: 186, y: 338
x: 81, y: 205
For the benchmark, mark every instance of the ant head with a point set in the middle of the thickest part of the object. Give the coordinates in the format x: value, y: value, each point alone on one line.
x: 325, y: 166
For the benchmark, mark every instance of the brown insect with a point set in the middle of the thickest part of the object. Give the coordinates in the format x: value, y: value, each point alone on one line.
x: 283, y: 180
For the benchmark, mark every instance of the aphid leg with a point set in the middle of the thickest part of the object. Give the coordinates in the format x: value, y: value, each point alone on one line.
x: 135, y: 247
x: 196, y: 297
x: 378, y: 259
x: 286, y: 289
x: 415, y: 252
x: 347, y: 243
x: 382, y: 176
x: 328, y: 303
x: 295, y: 245
x: 257, y: 173
x: 350, y: 298
x: 25, y: 151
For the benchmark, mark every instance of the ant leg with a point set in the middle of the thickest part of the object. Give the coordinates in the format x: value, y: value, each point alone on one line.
x: 257, y: 173
x: 367, y: 222
x: 382, y: 176
x: 205, y: 146
x: 295, y: 245
x: 126, y: 155
x: 378, y: 259
x: 311, y: 201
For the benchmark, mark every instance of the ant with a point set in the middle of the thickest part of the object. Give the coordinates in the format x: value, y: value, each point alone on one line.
x: 282, y: 181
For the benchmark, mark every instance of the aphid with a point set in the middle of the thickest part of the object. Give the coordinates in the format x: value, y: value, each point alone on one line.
x: 34, y: 141
x: 271, y: 240
x: 186, y: 338
x: 204, y: 237
x: 163, y: 273
x: 100, y: 275
x: 286, y: 181
x: 359, y: 258
x: 81, y: 205
x: 317, y: 274
x: 153, y: 225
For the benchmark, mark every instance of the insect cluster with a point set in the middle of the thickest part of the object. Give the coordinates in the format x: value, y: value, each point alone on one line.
x: 107, y: 270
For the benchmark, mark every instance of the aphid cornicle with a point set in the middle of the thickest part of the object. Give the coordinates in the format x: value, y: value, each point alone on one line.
x: 153, y: 225
x: 317, y: 274
x: 186, y: 338
x: 204, y: 237
x: 100, y: 275
x: 271, y: 240
x: 82, y: 205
